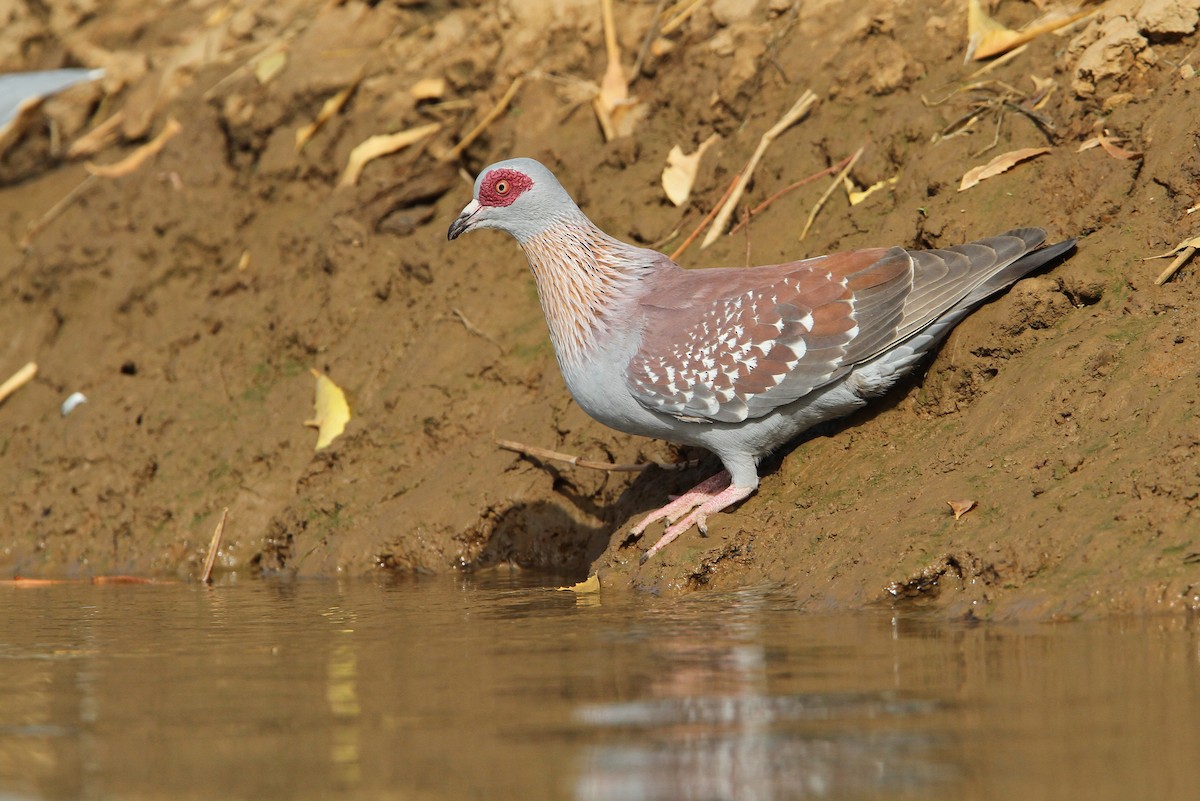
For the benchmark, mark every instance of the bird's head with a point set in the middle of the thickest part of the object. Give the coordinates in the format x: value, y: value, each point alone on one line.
x: 519, y: 196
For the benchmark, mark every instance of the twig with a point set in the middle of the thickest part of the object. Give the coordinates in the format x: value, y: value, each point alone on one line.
x: 471, y: 328
x: 651, y: 33
x: 793, y: 115
x: 487, y: 120
x: 52, y: 213
x: 206, y: 574
x: 545, y: 454
x: 761, y: 207
x: 1174, y: 266
x: 18, y: 380
x: 681, y: 17
x: 812, y: 215
x: 707, y: 219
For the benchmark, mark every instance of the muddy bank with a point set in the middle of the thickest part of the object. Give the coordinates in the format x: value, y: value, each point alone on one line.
x: 189, y: 298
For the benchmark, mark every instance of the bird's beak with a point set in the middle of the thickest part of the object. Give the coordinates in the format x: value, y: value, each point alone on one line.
x: 463, y: 223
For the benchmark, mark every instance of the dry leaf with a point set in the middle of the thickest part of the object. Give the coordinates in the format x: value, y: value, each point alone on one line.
x: 428, y: 89
x: 330, y: 107
x: 986, y: 37
x: 1110, y: 146
x: 588, y: 586
x: 856, y: 195
x: 270, y: 65
x: 960, y: 508
x: 382, y: 145
x: 138, y: 157
x: 680, y: 173
x: 1002, y: 163
x: 331, y: 410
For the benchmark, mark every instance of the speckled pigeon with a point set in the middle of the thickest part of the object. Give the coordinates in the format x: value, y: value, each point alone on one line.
x: 735, y: 360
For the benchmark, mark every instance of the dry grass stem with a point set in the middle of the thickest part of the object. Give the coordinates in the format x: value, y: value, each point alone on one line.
x: 213, y: 547
x: 487, y: 120
x: 676, y: 17
x: 18, y: 380
x: 98, y: 138
x: 328, y: 109
x: 707, y: 219
x: 798, y: 110
x: 38, y: 225
x: 138, y: 157
x: 841, y: 176
x: 1174, y: 266
x: 761, y: 207
x: 547, y: 455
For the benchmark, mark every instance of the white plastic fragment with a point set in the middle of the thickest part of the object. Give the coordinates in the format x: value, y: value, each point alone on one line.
x: 73, y: 400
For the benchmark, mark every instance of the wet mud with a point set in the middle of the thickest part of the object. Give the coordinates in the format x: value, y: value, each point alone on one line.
x: 190, y: 298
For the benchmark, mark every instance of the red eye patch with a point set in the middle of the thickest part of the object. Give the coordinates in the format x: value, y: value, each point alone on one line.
x: 501, y: 187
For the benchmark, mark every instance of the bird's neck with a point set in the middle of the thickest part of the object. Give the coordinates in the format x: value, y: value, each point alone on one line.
x: 584, y: 277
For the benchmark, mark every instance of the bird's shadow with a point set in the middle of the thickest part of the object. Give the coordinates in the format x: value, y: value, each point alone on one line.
x: 543, y: 534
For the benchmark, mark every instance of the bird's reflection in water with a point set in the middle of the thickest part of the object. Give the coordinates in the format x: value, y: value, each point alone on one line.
x: 713, y: 724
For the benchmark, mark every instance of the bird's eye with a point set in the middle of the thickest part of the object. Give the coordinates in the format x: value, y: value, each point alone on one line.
x: 502, y: 187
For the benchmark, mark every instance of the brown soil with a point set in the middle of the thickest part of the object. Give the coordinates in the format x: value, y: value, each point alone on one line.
x: 189, y: 299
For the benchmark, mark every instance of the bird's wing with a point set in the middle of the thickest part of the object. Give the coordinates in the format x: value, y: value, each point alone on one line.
x: 727, y: 345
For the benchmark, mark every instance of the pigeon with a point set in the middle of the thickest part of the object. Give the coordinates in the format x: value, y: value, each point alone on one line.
x: 738, y: 361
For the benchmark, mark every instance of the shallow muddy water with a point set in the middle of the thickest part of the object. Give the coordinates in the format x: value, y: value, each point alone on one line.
x: 487, y: 687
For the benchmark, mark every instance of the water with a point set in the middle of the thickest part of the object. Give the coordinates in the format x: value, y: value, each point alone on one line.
x: 487, y: 688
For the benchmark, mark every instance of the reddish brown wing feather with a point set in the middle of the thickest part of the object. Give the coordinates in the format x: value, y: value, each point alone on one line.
x: 730, y: 344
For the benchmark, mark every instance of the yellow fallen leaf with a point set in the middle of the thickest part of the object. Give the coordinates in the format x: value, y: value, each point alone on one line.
x: 381, y: 145
x: 1002, y: 163
x: 680, y: 173
x: 986, y: 37
x: 330, y: 107
x: 330, y: 409
x: 588, y: 586
x: 270, y: 65
x: 428, y: 89
x: 138, y: 157
x: 960, y: 508
x: 856, y: 195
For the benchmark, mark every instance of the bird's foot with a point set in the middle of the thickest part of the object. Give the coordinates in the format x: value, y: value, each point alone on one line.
x: 701, y: 503
x: 680, y: 505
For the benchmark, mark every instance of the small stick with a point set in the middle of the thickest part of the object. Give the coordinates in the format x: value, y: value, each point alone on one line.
x: 545, y: 454
x: 761, y: 207
x: 18, y: 380
x: 52, y: 213
x: 681, y: 17
x: 812, y: 215
x: 793, y: 115
x: 206, y: 574
x: 1163, y: 277
x: 473, y: 329
x: 707, y: 219
x: 487, y: 120
x: 651, y: 33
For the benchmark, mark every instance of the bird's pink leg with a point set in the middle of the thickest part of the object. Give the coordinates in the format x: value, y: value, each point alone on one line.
x: 685, y: 503
x: 692, y: 509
